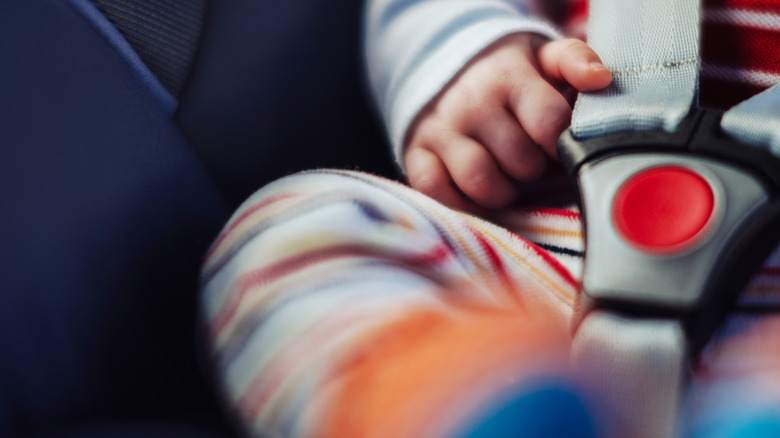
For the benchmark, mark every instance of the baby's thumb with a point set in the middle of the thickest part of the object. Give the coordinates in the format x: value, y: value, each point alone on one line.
x: 574, y: 62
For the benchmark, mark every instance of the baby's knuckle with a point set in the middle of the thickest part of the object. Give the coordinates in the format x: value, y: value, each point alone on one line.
x: 435, y: 133
x: 470, y: 95
x: 428, y: 185
x: 508, y: 137
x: 479, y: 180
x: 518, y: 87
x: 445, y: 136
x: 507, y: 72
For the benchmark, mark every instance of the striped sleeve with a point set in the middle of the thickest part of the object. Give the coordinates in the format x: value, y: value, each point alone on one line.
x: 413, y: 48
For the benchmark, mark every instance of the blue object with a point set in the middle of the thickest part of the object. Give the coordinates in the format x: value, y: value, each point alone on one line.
x: 544, y: 409
x: 105, y: 213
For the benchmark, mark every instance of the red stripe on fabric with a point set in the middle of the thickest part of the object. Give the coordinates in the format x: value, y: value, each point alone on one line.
x: 549, y: 211
x: 720, y: 94
x: 568, y: 214
x: 554, y: 264
x: 492, y: 255
x: 751, y: 5
x: 741, y: 47
x: 493, y: 258
x: 253, y: 278
x: 241, y: 217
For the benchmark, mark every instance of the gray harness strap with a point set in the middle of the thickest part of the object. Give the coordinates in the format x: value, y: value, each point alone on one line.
x: 637, y: 364
x: 652, y: 48
x: 756, y: 121
x: 636, y: 368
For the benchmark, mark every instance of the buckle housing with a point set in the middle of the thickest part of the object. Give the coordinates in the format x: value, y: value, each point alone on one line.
x: 622, y: 278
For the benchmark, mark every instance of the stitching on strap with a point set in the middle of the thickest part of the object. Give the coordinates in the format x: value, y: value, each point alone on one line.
x: 660, y: 66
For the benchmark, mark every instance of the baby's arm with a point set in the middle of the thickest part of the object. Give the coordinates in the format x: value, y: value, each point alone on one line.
x: 499, y: 120
x: 483, y: 125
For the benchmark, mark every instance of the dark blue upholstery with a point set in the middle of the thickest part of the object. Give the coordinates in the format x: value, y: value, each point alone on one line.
x: 106, y: 213
x: 108, y: 204
x: 163, y: 33
x: 277, y: 88
x: 139, y: 429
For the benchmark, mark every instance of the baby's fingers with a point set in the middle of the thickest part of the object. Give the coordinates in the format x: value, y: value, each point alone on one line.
x: 428, y: 175
x: 574, y: 62
x: 514, y: 151
x: 542, y: 111
x: 475, y: 172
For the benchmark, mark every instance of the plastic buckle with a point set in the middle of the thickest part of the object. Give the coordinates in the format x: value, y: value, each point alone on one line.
x: 675, y: 222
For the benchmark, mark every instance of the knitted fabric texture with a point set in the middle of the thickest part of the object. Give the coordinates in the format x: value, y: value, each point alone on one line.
x: 341, y: 304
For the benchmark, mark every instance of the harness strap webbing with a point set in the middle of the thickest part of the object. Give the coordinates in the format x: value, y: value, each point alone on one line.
x: 652, y: 48
x: 636, y: 366
x: 756, y: 121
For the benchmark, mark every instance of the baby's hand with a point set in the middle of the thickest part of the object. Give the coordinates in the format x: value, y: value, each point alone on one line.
x: 499, y: 120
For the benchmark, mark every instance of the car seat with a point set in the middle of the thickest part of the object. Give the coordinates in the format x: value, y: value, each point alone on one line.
x: 115, y: 175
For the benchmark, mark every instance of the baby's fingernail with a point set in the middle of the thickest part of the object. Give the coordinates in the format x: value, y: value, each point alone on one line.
x: 596, y: 66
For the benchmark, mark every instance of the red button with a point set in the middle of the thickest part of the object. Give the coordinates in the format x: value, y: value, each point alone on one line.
x: 663, y: 209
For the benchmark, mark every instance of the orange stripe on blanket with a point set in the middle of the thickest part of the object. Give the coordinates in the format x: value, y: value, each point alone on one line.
x: 409, y: 380
x: 550, y: 231
x: 548, y: 211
